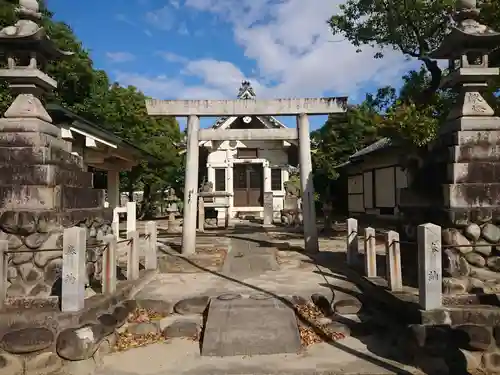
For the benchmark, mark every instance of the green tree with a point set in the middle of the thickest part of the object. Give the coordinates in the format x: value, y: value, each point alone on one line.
x: 90, y: 94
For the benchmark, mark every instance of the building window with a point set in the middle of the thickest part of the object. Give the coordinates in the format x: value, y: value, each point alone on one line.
x: 276, y: 181
x: 220, y: 179
x: 247, y: 153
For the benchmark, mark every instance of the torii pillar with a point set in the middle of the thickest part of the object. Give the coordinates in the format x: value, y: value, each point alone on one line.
x: 191, y: 187
x: 311, y: 244
x: 194, y: 109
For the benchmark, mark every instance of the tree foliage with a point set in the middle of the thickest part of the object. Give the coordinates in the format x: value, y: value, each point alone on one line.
x: 89, y: 92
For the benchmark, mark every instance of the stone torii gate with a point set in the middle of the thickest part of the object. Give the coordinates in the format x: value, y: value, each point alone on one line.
x: 194, y: 109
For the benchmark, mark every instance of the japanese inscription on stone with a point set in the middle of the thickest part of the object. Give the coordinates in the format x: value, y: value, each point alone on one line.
x: 429, y: 264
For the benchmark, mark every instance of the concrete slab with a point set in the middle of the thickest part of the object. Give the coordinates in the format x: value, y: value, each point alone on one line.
x: 236, y: 327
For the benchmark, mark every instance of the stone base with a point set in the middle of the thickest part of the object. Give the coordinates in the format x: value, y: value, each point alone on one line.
x: 46, y: 341
x: 37, y: 273
x: 236, y: 327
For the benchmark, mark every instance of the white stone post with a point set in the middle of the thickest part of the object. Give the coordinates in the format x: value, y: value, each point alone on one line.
x: 267, y: 177
x: 229, y: 189
x: 191, y: 187
x: 352, y: 242
x: 109, y: 265
x: 370, y: 253
x: 131, y: 217
x: 201, y: 214
x: 133, y: 256
x: 74, y: 270
x: 268, y: 208
x: 306, y: 184
x: 393, y: 261
x: 430, y: 286
x: 113, y: 189
x: 151, y: 259
x: 4, y: 264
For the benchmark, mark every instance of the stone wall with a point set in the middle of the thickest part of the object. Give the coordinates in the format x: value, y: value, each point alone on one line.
x: 472, y: 259
x: 36, y: 273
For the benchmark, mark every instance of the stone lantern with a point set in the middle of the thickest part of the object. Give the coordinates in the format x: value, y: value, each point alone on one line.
x: 466, y: 48
x: 44, y: 186
x: 467, y: 157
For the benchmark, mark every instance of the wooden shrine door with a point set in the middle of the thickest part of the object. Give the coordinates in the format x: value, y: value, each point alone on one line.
x: 248, y: 185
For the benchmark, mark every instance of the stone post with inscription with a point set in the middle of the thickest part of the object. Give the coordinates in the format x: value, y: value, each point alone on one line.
x: 44, y: 188
x: 458, y: 184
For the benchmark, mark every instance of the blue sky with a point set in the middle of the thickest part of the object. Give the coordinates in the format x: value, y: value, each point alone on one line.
x: 203, y: 49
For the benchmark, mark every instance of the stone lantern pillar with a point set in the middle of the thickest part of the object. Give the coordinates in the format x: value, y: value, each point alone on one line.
x: 43, y: 187
x: 466, y: 157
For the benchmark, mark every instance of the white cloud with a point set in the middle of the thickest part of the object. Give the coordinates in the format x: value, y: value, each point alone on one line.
x: 162, y: 19
x: 120, y: 57
x: 171, y: 57
x: 294, y: 51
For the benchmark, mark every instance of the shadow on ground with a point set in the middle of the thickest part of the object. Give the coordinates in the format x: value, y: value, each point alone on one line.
x: 335, y: 263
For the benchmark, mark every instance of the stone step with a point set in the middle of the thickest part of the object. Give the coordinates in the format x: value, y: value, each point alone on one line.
x: 40, y: 155
x: 48, y: 175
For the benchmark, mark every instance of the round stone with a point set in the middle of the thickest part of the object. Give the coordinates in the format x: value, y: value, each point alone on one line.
x: 483, y: 248
x: 475, y: 259
x: 181, y: 329
x: 195, y: 305
x: 77, y: 344
x: 160, y: 307
x: 141, y: 329
x: 491, y: 233
x: 472, y: 232
x: 494, y: 263
x: 43, y: 363
x: 347, y: 306
x: 36, y: 240
x: 473, y: 336
x: 491, y: 362
x: 453, y: 285
x: 229, y: 296
x: 322, y: 303
x: 108, y: 320
x: 10, y: 365
x: 453, y: 237
x: 259, y: 296
x: 120, y: 313
x: 27, y: 340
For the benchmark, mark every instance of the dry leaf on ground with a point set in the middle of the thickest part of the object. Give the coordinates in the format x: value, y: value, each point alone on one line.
x: 311, y: 331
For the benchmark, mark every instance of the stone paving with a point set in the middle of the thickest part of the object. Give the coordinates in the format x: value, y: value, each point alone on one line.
x: 252, y: 266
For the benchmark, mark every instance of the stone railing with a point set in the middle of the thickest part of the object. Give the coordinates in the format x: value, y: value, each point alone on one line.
x: 74, y: 272
x: 429, y: 259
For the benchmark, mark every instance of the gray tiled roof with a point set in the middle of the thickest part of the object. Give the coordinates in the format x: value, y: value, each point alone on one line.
x: 379, y: 145
x: 376, y: 146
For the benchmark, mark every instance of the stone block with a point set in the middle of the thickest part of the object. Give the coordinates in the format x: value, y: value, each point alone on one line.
x: 36, y: 197
x: 23, y: 125
x: 40, y: 155
x: 474, y: 172
x: 471, y: 153
x: 48, y: 175
x: 33, y: 139
x: 466, y: 195
x: 74, y: 197
x: 237, y: 327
